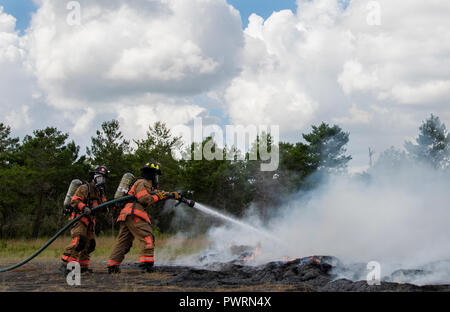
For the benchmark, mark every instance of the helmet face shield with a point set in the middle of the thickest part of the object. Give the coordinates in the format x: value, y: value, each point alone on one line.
x: 98, y: 176
x: 100, y: 181
x: 155, y: 181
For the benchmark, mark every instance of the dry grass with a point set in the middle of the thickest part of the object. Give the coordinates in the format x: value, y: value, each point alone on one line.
x: 45, y: 277
x: 167, y: 247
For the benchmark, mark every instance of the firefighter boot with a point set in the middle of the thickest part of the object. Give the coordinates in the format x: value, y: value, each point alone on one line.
x: 146, y: 267
x: 113, y: 269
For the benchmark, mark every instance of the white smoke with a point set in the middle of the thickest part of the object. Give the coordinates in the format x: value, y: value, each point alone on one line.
x: 399, y: 218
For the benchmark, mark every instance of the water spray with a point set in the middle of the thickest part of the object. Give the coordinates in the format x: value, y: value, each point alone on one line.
x: 229, y: 219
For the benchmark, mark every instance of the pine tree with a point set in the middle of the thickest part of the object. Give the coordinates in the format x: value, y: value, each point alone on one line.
x: 432, y: 146
x: 8, y: 145
x: 158, y: 146
x: 48, y: 163
x: 327, y: 147
x: 109, y: 148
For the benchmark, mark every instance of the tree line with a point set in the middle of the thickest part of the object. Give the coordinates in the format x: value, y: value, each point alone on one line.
x: 36, y: 171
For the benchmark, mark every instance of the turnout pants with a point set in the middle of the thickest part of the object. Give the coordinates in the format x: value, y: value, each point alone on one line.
x: 133, y: 227
x: 83, y: 243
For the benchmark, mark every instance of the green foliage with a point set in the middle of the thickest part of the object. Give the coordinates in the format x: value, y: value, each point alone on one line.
x: 391, y: 159
x: 432, y: 145
x: 202, y: 178
x: 35, y: 173
x: 327, y: 147
x: 109, y: 148
x: 35, y: 184
x: 296, y: 164
x: 265, y: 186
x: 158, y: 146
x: 8, y: 145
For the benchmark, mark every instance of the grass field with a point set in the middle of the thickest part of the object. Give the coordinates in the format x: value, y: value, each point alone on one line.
x: 167, y: 248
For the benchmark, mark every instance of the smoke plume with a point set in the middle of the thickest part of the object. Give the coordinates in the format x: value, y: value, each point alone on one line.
x: 395, y: 216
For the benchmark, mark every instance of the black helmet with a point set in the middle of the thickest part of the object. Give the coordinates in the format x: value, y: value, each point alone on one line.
x: 99, y: 175
x: 151, y: 171
x: 152, y: 167
x: 100, y: 170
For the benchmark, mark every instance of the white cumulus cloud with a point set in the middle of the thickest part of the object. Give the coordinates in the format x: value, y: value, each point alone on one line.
x: 125, y: 56
x: 16, y: 87
x: 124, y: 48
x: 174, y: 60
x: 327, y: 63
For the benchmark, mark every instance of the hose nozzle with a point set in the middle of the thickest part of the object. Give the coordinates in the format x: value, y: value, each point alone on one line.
x: 186, y: 201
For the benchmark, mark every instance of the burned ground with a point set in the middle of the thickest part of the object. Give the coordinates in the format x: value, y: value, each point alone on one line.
x: 297, y: 275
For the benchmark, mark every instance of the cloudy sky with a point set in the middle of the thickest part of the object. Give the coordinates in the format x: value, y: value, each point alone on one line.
x: 376, y: 68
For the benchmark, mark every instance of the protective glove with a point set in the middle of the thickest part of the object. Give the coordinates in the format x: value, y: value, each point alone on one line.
x: 87, y: 211
x: 161, y: 195
x: 174, y: 195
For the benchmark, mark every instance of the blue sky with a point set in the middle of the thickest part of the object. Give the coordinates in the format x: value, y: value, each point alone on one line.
x: 365, y: 91
x: 22, y: 9
x: 263, y: 8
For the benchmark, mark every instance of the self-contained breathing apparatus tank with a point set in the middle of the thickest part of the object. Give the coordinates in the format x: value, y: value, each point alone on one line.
x: 124, y: 185
x: 74, y: 185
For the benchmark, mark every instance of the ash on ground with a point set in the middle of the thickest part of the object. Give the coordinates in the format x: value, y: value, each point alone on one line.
x: 238, y: 265
x: 210, y: 273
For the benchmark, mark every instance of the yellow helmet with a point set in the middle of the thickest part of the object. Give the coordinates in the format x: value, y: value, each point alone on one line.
x: 152, y: 166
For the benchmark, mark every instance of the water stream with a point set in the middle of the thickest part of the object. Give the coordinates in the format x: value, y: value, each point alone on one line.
x: 233, y: 220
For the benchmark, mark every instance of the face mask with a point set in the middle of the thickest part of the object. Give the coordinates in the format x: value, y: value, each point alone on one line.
x: 99, y: 181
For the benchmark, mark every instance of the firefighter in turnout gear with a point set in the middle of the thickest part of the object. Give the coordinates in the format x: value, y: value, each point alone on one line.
x: 135, y: 222
x: 87, y: 196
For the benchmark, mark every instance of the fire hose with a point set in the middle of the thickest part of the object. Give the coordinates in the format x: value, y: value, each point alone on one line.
x: 68, y: 225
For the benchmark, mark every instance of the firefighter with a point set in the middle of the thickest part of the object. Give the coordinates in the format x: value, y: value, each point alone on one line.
x: 87, y: 196
x: 135, y: 222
